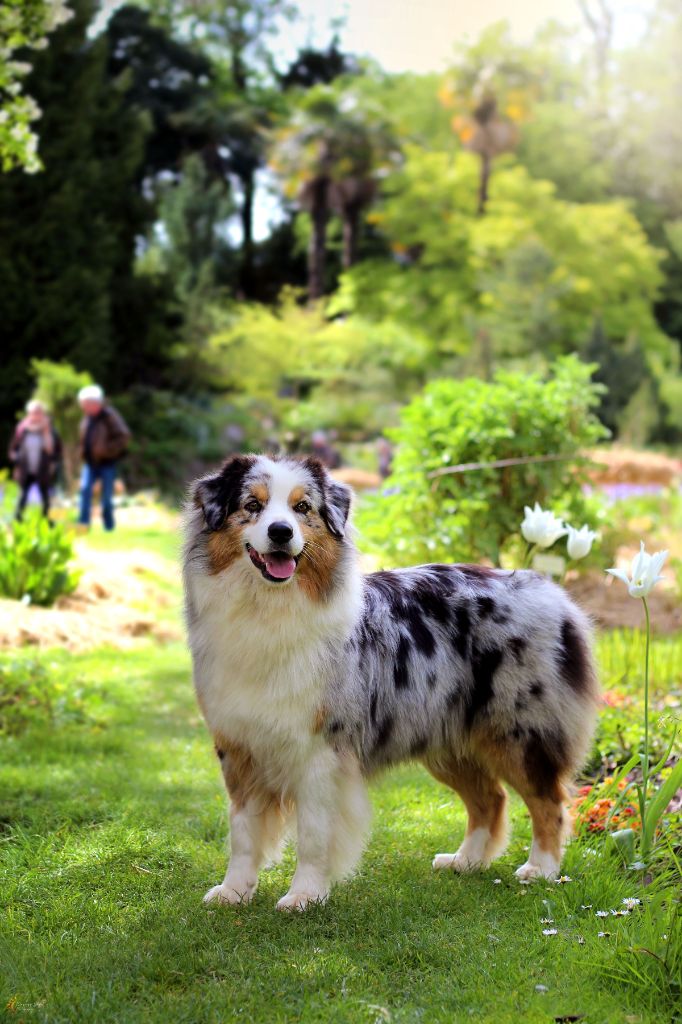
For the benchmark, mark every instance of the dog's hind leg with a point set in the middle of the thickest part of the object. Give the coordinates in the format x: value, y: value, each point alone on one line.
x: 485, y: 800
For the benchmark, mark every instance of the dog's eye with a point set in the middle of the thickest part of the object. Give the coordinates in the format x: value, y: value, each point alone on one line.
x: 253, y: 505
x: 303, y: 507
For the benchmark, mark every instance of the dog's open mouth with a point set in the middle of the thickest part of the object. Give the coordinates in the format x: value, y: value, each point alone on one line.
x: 276, y: 566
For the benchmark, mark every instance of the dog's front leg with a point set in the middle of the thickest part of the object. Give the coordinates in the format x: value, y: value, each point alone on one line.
x: 316, y: 797
x: 254, y: 828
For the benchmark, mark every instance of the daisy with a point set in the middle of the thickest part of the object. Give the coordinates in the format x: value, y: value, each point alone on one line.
x: 550, y: 931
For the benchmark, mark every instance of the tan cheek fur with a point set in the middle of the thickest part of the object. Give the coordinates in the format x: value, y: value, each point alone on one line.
x: 319, y: 560
x: 225, y: 546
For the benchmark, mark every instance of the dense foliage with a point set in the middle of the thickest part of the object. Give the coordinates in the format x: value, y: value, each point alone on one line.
x: 521, y: 206
x: 428, y: 515
x: 35, y: 561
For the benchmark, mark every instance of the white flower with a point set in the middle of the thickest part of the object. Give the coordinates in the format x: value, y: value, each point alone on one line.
x: 563, y: 879
x: 580, y: 541
x: 603, y: 935
x: 541, y: 527
x: 546, y: 920
x: 550, y: 931
x: 620, y: 913
x: 601, y: 913
x: 645, y: 572
x: 631, y: 902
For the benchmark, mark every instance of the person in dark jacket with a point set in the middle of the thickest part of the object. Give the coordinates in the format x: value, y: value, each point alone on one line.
x: 35, y: 452
x: 104, y: 439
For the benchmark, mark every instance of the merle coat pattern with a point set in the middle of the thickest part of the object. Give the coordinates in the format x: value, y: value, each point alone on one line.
x: 313, y: 676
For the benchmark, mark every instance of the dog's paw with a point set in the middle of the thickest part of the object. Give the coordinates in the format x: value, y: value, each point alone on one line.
x: 527, y: 872
x: 227, y: 894
x: 301, y: 900
x: 455, y: 862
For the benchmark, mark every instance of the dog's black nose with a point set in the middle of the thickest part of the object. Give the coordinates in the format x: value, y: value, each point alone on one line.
x: 280, y: 533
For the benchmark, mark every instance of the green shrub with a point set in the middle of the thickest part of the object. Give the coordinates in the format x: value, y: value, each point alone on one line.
x: 476, y: 514
x: 32, y: 693
x: 35, y: 561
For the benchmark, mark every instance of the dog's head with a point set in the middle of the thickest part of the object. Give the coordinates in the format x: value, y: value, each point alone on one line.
x: 284, y: 519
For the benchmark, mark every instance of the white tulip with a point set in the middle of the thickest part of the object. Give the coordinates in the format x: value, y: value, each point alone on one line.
x: 541, y: 527
x: 644, y: 573
x: 580, y: 541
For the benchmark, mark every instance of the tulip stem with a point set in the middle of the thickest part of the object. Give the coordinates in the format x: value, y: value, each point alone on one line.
x: 529, y: 551
x: 645, y: 763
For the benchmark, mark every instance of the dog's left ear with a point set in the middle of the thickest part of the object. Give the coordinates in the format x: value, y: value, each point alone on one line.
x: 336, y: 506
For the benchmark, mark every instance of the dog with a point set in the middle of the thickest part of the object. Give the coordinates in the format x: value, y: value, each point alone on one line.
x: 312, y: 676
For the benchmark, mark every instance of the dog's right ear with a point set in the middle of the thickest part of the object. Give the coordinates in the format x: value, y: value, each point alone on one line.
x: 218, y: 495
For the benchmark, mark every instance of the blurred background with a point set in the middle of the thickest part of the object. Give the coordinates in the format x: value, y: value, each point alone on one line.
x: 254, y: 222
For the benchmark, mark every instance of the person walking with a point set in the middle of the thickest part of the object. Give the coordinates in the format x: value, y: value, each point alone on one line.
x: 104, y: 439
x: 35, y: 451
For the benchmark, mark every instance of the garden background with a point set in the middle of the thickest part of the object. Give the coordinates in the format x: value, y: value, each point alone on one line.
x: 248, y: 231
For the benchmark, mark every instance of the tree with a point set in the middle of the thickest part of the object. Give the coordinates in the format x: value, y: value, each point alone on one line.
x: 24, y: 25
x: 169, y: 80
x: 491, y: 90
x: 68, y: 235
x: 525, y: 282
x: 235, y: 38
x: 328, y: 153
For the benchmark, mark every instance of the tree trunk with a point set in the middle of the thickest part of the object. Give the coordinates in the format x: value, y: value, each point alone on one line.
x: 319, y: 213
x: 486, y: 163
x: 246, y: 214
x: 351, y: 231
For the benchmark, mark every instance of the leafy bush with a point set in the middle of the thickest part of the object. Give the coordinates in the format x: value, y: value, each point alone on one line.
x: 476, y: 514
x: 35, y: 561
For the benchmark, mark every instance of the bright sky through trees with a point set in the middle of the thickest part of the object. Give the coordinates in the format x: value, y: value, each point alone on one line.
x: 418, y: 35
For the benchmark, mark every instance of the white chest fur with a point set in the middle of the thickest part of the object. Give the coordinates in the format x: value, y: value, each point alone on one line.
x: 262, y: 662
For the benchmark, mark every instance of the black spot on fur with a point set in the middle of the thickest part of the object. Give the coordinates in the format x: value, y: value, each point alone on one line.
x: 537, y: 689
x: 431, y: 680
x: 516, y: 732
x: 401, y: 674
x: 501, y: 616
x: 573, y: 658
x: 485, y: 605
x: 463, y: 626
x: 519, y: 703
x: 543, y: 760
x: 422, y: 636
x: 384, y: 732
x: 220, y: 753
x: 334, y: 727
x: 432, y: 598
x: 484, y: 664
x: 418, y: 746
x: 517, y: 646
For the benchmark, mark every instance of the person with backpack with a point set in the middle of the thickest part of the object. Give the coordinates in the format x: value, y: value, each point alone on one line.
x: 104, y: 439
x: 35, y: 453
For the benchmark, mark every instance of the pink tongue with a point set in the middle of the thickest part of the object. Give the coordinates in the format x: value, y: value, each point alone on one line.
x: 280, y: 568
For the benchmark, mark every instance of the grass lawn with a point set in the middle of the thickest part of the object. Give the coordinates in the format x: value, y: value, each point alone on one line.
x: 113, y: 830
x: 112, y: 826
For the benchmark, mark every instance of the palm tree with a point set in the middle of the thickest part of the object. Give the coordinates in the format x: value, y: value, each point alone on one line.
x: 329, y: 154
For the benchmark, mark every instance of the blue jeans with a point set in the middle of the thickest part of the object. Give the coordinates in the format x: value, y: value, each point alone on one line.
x: 107, y: 474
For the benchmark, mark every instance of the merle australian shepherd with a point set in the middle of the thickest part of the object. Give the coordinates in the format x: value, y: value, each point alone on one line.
x: 312, y: 676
